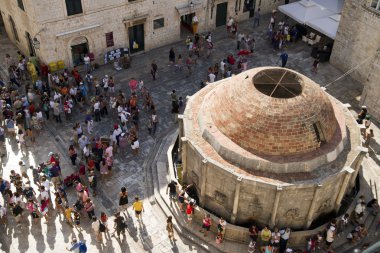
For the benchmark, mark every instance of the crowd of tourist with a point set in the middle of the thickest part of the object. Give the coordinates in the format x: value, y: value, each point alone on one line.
x: 34, y: 94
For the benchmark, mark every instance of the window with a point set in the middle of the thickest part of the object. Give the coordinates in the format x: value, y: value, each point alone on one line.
x: 376, y: 4
x: 73, y: 7
x: 158, y: 23
x: 14, y: 30
x: 21, y: 4
x: 109, y: 39
x: 319, y: 132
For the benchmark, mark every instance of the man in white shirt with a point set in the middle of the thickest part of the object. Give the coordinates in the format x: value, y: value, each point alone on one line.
x: 87, y: 63
x: 97, y: 111
x: 222, y: 67
x: 211, y: 77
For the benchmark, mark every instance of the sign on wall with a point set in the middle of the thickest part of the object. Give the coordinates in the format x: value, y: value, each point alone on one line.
x: 115, y: 54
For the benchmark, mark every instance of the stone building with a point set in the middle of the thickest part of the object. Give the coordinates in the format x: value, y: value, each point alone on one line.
x: 275, y: 149
x: 68, y: 29
x: 358, y: 39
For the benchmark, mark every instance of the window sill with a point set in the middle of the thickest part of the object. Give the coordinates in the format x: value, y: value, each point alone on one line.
x: 75, y: 15
x: 372, y: 10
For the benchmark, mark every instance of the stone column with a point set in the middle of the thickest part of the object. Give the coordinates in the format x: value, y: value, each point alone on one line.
x: 236, y: 199
x: 204, y: 181
x: 356, y: 166
x: 311, y: 212
x: 184, y: 158
x: 272, y: 221
x: 180, y: 132
x: 349, y: 174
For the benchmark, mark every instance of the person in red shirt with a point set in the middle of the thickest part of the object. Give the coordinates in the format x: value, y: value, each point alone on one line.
x: 53, y: 158
x: 189, y: 212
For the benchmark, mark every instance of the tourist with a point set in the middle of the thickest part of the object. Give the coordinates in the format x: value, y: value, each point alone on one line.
x: 172, y: 189
x: 76, y: 220
x: 93, y: 181
x: 96, y: 228
x: 170, y: 229
x: 171, y: 56
x: 206, y: 225
x: 368, y: 137
x: 230, y: 22
x: 330, y: 236
x: 256, y: 19
x: 284, y: 58
x: 373, y: 207
x: 189, y: 212
x: 123, y: 200
x: 153, y: 70
x: 285, y: 234
x: 138, y: 207
x: 120, y: 225
x: 73, y: 154
x: 222, y: 228
x: 316, y: 64
x: 265, y: 236
x: 275, y: 240
x: 253, y: 233
x: 89, y: 208
x: 81, y: 246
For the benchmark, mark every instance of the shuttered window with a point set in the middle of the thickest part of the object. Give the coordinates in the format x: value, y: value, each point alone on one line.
x: 74, y: 7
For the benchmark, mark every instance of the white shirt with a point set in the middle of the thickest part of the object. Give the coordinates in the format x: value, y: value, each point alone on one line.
x: 97, y: 106
x: 330, y: 236
x: 44, y: 195
x: 211, y: 77
x: 230, y: 22
x: 222, y: 65
x: 73, y: 91
x: 109, y: 151
x: 86, y: 60
x: 21, y: 66
x: 95, y: 225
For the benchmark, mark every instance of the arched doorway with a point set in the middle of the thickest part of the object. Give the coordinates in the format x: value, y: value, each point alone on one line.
x: 79, y: 48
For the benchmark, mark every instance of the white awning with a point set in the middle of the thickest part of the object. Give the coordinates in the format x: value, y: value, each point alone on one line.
x: 333, y: 5
x: 305, y: 10
x: 327, y: 25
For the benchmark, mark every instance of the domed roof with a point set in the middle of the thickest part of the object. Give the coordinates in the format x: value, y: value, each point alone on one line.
x: 273, y: 111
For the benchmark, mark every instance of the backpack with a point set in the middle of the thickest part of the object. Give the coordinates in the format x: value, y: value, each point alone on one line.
x: 82, y: 248
x: 102, y: 227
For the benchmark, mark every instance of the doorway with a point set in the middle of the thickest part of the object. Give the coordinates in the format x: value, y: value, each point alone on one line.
x: 136, y: 38
x: 32, y: 50
x: 249, y: 5
x: 79, y: 48
x: 221, y: 14
x: 186, y: 24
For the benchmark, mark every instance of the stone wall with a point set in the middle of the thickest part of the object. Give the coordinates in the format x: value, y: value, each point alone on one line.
x: 358, y: 38
x: 256, y: 199
x: 371, y: 92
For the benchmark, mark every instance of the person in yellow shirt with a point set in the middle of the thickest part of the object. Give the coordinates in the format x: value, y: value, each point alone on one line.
x: 138, y: 207
x: 266, y: 235
x: 68, y: 211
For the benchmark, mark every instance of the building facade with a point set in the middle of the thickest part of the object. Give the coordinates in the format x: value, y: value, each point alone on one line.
x: 358, y: 42
x: 275, y: 150
x: 68, y: 29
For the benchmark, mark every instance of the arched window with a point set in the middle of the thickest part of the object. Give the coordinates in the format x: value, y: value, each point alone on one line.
x: 14, y: 30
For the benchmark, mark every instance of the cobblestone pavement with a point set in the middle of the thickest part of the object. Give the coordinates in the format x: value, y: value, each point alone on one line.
x: 131, y: 171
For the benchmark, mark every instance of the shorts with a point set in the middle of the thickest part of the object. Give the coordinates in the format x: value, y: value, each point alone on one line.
x: 264, y: 243
x: 276, y: 244
x: 207, y: 227
x: 189, y: 217
x: 138, y: 212
x: 181, y: 200
x: 328, y: 243
x: 172, y: 195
